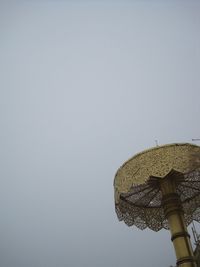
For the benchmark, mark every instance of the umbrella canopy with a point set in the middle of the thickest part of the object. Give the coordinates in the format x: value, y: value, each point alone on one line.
x: 138, y: 197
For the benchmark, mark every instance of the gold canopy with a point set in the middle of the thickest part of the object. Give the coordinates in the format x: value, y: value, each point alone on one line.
x: 138, y: 198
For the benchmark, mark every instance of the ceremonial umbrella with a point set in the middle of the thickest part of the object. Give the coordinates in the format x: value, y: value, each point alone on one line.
x: 160, y: 188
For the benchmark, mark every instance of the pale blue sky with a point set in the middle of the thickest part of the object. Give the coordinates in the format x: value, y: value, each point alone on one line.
x: 84, y: 86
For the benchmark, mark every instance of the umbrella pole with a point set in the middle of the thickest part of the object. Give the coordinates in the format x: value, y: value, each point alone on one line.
x: 174, y: 214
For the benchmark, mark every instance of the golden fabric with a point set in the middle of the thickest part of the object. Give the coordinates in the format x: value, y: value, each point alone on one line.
x: 138, y: 198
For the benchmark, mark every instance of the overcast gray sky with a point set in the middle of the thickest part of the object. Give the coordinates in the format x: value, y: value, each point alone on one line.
x: 84, y: 85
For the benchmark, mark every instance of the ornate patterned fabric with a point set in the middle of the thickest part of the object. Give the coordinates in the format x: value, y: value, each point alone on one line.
x: 138, y: 199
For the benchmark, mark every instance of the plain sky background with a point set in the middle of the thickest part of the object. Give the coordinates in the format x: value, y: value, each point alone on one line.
x: 84, y: 85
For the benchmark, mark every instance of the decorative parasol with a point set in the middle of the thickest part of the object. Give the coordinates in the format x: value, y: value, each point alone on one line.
x: 160, y: 188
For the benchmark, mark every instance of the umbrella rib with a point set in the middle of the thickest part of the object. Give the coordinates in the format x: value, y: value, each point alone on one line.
x: 191, y: 187
x: 187, y: 181
x: 136, y: 192
x: 135, y: 204
x: 181, y: 191
x: 146, y: 194
x: 129, y: 202
x: 125, y: 199
x: 154, y: 195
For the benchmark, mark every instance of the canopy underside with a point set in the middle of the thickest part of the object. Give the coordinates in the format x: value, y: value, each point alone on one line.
x: 138, y: 198
x: 142, y: 205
